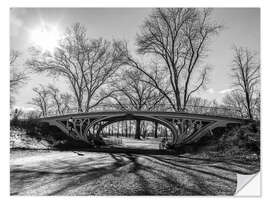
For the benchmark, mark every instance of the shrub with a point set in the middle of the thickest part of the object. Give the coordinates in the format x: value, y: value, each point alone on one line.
x: 229, y: 141
x: 242, y: 139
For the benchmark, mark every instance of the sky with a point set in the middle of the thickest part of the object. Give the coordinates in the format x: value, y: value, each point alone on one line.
x: 241, y: 28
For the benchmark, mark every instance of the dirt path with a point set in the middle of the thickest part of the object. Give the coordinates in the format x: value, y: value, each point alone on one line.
x: 90, y: 173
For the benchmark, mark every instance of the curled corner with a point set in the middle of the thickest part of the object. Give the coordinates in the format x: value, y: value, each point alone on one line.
x: 248, y: 185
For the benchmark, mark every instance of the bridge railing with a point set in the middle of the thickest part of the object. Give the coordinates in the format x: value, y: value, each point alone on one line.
x: 206, y: 110
x: 215, y: 111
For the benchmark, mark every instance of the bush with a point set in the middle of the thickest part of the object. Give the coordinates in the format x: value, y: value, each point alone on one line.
x: 230, y: 141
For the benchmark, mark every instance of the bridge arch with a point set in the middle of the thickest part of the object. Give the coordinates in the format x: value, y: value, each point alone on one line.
x: 185, y: 127
x: 118, y: 118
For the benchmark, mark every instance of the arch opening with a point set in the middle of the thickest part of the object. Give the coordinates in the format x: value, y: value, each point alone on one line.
x: 154, y: 133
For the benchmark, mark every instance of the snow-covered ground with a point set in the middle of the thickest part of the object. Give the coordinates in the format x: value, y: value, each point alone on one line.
x: 148, y: 143
x: 19, y: 139
x: 38, y: 172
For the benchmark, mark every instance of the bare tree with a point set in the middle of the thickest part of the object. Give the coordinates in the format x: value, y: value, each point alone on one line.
x: 257, y: 106
x: 86, y: 64
x: 31, y: 115
x: 178, y: 37
x: 246, y: 75
x: 132, y: 92
x: 41, y: 100
x: 55, y: 94
x: 66, y: 101
x: 16, y: 114
x: 17, y: 78
x: 60, y: 101
x: 198, y: 105
x: 235, y: 100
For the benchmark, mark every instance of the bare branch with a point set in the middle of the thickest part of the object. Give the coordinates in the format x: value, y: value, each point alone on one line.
x: 86, y: 64
x: 178, y: 37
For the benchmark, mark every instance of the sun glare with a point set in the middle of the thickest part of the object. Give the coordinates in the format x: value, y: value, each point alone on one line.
x: 45, y: 37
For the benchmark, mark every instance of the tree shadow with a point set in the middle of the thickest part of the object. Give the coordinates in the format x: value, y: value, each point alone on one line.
x: 131, y: 150
x: 155, y: 174
x: 235, y: 166
x: 61, y: 170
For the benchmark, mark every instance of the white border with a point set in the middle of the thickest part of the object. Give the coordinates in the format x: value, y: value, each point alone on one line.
x: 135, y: 3
x: 4, y: 53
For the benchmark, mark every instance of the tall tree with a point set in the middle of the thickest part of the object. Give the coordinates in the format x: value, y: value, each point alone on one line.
x: 86, y: 64
x: 246, y: 75
x: 178, y: 37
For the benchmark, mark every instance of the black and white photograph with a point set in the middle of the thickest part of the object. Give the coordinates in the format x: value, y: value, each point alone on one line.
x: 135, y: 101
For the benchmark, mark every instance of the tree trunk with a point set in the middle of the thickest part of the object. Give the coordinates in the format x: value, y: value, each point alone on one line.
x: 130, y: 128
x: 248, y: 106
x: 110, y: 130
x: 126, y: 122
x: 166, y: 133
x: 138, y: 129
x: 156, y: 127
x: 117, y: 129
x: 123, y: 130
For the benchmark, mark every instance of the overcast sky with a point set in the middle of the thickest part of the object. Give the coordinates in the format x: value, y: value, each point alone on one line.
x: 242, y: 28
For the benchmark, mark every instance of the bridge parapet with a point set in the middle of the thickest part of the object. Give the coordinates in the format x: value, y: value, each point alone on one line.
x: 206, y: 110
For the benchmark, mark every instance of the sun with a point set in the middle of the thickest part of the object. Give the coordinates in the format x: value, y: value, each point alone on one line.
x: 45, y: 37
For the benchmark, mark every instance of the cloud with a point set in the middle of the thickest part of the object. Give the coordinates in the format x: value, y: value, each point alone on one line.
x: 226, y: 91
x: 210, y: 90
x: 16, y: 22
